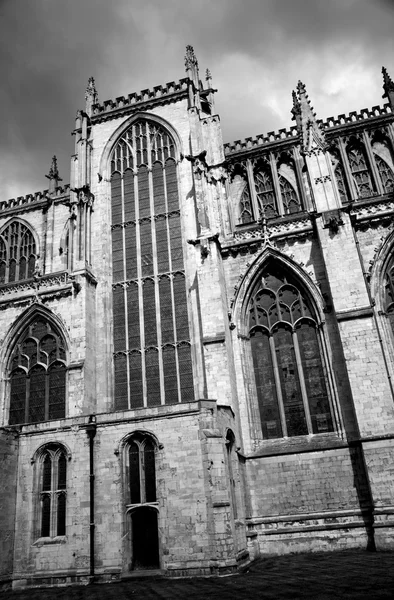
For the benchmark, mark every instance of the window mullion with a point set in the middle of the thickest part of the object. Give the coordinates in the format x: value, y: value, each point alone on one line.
x: 275, y: 179
x: 252, y: 187
x: 278, y: 386
x: 374, y: 169
x: 302, y: 382
x: 142, y: 475
x: 348, y: 173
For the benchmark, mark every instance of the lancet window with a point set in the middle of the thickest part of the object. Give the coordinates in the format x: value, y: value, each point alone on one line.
x: 18, y: 253
x: 245, y: 206
x: 360, y: 171
x: 288, y: 367
x: 38, y: 375
x: 152, y: 353
x: 52, y: 492
x: 290, y: 200
x: 265, y: 194
x: 386, y: 174
x: 140, y: 470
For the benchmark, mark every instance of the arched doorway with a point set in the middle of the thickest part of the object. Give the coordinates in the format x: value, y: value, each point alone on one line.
x: 144, y: 539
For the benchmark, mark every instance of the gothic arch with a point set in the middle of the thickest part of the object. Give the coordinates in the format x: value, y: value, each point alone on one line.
x: 287, y: 382
x: 18, y: 228
x: 23, y: 321
x: 50, y: 377
x: 250, y: 277
x: 104, y: 164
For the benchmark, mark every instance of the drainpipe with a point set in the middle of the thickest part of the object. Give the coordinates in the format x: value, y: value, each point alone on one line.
x: 91, y: 432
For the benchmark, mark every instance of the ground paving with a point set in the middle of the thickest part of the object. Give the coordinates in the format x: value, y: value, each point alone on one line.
x: 320, y: 576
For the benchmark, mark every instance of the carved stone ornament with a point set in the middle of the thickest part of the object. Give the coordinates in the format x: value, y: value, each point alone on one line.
x: 332, y: 219
x: 190, y: 58
x: 216, y: 174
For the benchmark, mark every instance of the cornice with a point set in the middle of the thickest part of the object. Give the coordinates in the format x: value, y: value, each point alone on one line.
x: 36, y: 201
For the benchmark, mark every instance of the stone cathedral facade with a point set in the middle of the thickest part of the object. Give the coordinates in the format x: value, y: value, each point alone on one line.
x: 197, y: 343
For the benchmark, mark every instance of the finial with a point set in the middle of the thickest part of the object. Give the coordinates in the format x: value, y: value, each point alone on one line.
x: 208, y: 75
x: 53, y: 175
x: 190, y: 58
x: 91, y: 96
x: 388, y: 87
x: 311, y: 132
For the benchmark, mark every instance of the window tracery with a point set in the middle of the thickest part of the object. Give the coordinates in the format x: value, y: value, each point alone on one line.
x: 149, y: 290
x: 290, y: 200
x: 38, y: 375
x: 245, y: 206
x: 386, y: 174
x: 288, y: 367
x: 18, y: 253
x: 360, y: 171
x: 266, y: 194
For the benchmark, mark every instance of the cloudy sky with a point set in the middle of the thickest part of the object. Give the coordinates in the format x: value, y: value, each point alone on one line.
x: 256, y: 50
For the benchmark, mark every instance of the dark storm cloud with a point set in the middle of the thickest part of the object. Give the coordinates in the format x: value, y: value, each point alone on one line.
x: 256, y: 49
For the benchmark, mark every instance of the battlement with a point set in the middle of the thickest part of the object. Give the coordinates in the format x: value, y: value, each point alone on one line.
x: 291, y: 133
x: 158, y: 93
x: 35, y: 198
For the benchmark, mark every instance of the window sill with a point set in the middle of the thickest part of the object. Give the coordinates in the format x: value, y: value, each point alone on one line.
x: 299, y: 445
x: 50, y: 541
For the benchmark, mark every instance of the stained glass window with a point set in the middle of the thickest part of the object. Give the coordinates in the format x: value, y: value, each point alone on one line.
x: 149, y: 288
x: 18, y: 253
x: 38, y: 375
x: 291, y: 388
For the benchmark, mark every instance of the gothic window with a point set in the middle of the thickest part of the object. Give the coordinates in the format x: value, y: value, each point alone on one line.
x: 140, y: 470
x: 290, y: 200
x: 386, y: 174
x: 288, y: 367
x: 152, y: 352
x: 38, y: 375
x: 265, y: 194
x: 245, y: 206
x: 52, y: 492
x: 360, y: 171
x: 18, y: 253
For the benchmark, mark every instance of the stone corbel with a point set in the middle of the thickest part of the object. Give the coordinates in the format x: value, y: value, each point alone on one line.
x: 199, y: 164
x: 332, y: 219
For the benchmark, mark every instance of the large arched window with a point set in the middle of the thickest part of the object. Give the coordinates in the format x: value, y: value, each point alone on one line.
x: 151, y: 331
x: 18, y: 253
x: 38, y: 375
x: 288, y: 367
x: 52, y: 491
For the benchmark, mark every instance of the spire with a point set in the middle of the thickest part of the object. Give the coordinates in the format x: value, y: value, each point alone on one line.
x: 311, y: 132
x: 388, y: 88
x: 91, y: 95
x: 53, y: 176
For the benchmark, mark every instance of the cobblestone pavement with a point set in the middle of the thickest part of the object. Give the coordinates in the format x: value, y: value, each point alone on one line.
x: 355, y: 575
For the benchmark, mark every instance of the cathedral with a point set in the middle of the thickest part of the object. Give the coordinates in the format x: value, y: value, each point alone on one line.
x: 197, y: 342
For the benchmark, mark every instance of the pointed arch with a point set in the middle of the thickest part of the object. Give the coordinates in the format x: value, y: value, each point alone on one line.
x: 36, y: 359
x: 19, y: 251
x: 281, y: 321
x: 360, y: 168
x: 149, y: 287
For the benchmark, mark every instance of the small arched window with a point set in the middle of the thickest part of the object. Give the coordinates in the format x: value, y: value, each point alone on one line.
x: 386, y: 174
x: 38, y: 375
x: 266, y: 194
x: 18, y: 253
x: 288, y: 367
x: 290, y: 200
x: 52, y: 492
x: 360, y: 171
x: 140, y: 452
x: 245, y: 206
